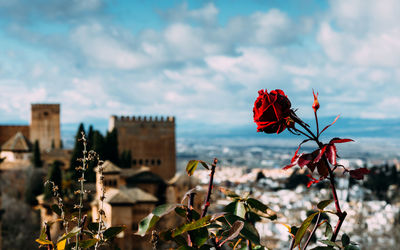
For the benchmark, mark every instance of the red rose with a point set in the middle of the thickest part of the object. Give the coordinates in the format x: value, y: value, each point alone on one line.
x: 271, y: 111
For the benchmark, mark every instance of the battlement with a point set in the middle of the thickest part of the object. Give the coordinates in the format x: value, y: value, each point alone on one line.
x: 49, y: 107
x: 143, y: 119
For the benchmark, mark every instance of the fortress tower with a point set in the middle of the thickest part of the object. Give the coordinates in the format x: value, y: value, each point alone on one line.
x: 45, y: 125
x: 151, y: 141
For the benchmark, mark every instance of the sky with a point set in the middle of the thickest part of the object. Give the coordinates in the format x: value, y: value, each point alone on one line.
x: 201, y: 61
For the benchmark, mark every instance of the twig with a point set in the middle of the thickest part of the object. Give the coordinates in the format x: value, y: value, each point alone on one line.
x: 292, y: 243
x: 102, y: 197
x: 189, y: 215
x: 210, y: 186
x: 48, y: 235
x: 81, y: 192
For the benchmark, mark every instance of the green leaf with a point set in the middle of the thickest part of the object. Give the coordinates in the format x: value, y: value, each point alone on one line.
x: 230, y: 208
x: 93, y: 227
x: 253, y: 217
x: 199, y: 236
x: 229, y: 193
x: 240, y: 209
x: 111, y: 232
x: 250, y: 233
x: 150, y: 220
x: 70, y: 234
x: 44, y: 242
x: 329, y: 243
x: 322, y: 248
x: 191, y: 167
x: 43, y: 234
x: 205, y: 165
x: 87, y: 243
x: 147, y: 223
x: 202, y: 222
x: 256, y: 204
x: 345, y: 240
x: 328, y: 230
x: 323, y: 204
x: 351, y: 247
x: 162, y: 210
x: 181, y: 211
x: 303, y: 228
x: 56, y: 209
x: 167, y: 236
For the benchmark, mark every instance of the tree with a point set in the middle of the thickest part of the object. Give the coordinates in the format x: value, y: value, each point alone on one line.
x: 126, y: 159
x: 34, y: 187
x: 36, y: 159
x: 90, y: 137
x: 98, y: 145
x: 77, y: 151
x: 54, y: 175
x: 111, y: 148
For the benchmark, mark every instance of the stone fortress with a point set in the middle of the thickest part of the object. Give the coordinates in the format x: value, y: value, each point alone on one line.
x: 151, y: 142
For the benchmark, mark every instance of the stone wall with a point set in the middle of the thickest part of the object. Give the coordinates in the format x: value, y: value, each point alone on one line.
x: 151, y: 141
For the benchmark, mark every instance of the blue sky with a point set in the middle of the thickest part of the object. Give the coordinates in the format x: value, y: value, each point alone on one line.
x: 201, y: 61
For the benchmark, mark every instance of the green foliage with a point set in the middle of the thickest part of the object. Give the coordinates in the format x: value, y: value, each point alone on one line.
x: 111, y: 148
x: 234, y: 225
x: 34, y: 187
x: 303, y: 228
x: 192, y: 165
x: 77, y: 151
x: 36, y: 159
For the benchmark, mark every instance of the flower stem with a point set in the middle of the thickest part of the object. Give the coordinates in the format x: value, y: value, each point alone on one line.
x: 316, y: 121
x: 341, y: 215
x: 292, y: 243
x: 210, y: 186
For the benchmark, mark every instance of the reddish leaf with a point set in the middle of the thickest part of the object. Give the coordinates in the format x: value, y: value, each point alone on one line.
x: 304, y: 160
x: 331, y: 154
x: 321, y: 153
x: 337, y: 117
x: 338, y: 140
x: 359, y: 173
x: 295, y: 157
x: 322, y: 168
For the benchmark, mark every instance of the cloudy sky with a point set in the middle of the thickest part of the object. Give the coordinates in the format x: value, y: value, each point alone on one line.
x: 202, y: 61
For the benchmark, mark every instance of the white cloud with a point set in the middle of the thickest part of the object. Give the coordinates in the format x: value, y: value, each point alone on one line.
x: 197, y: 69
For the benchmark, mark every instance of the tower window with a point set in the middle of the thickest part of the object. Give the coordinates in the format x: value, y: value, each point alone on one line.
x: 158, y: 162
x: 152, y: 162
x: 146, y: 161
x: 140, y: 162
x: 134, y: 162
x: 45, y: 113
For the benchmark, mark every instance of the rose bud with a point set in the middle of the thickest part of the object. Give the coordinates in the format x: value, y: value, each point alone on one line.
x: 315, y: 105
x: 271, y: 111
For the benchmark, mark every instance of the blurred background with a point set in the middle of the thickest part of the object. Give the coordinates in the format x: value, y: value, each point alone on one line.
x: 202, y: 63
